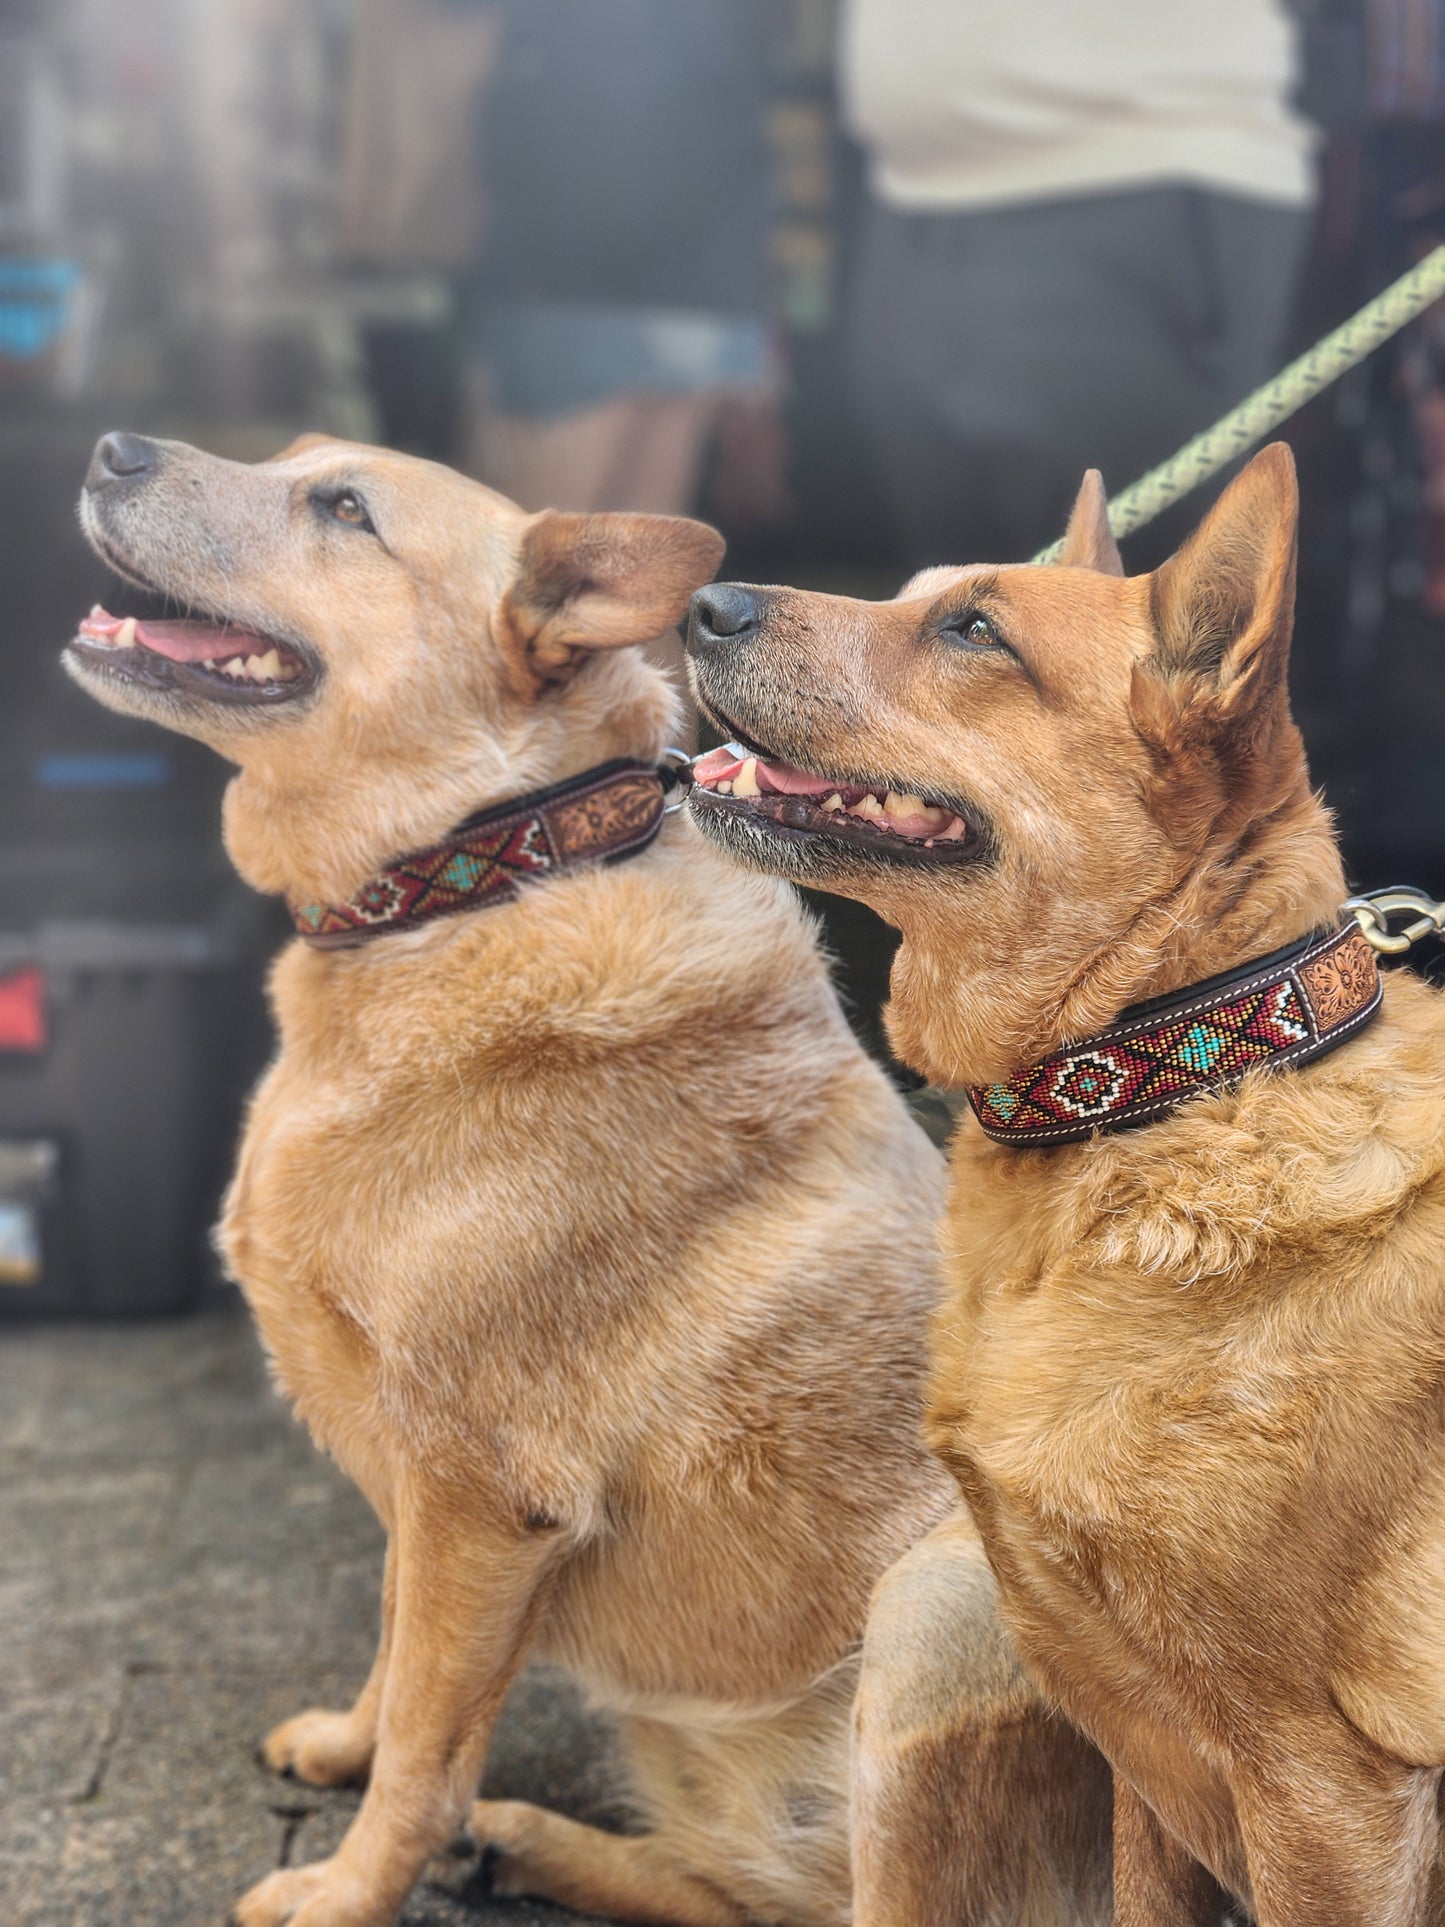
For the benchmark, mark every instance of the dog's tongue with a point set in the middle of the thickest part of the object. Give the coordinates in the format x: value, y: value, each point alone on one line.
x: 777, y: 779
x: 748, y: 775
x: 181, y: 641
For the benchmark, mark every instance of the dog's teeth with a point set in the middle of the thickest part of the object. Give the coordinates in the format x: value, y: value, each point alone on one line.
x: 233, y: 666
x: 866, y: 806
x: 268, y: 667
x: 725, y: 788
x: 745, y: 783
x: 96, y: 611
x: 209, y: 663
x: 914, y: 810
x: 124, y: 637
x: 834, y: 802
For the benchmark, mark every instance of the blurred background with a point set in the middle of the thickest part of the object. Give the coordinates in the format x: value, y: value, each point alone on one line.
x: 867, y: 283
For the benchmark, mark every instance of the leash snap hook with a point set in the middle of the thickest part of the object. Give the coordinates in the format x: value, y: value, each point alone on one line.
x: 1372, y: 910
x: 675, y: 773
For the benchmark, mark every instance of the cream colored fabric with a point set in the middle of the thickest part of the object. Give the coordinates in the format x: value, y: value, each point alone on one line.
x: 976, y: 103
x: 410, y: 188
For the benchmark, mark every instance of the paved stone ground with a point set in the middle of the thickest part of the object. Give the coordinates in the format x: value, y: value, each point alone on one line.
x: 179, y: 1570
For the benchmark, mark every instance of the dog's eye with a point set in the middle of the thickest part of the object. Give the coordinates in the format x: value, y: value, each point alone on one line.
x: 348, y: 507
x: 974, y: 630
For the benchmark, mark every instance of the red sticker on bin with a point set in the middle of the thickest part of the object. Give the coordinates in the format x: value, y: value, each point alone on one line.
x: 22, y: 1011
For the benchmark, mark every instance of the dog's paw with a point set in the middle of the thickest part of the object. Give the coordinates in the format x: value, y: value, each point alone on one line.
x: 278, y: 1898
x: 505, y: 1830
x: 313, y: 1896
x: 324, y: 1749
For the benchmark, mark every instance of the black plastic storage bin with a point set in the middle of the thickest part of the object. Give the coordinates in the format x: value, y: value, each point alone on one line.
x: 116, y: 1137
x: 108, y: 1130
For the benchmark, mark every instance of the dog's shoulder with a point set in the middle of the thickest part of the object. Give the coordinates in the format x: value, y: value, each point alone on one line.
x: 1283, y: 1169
x: 1289, y: 1166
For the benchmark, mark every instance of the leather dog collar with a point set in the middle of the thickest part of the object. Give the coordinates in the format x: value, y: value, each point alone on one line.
x: 1282, y: 1009
x: 605, y: 814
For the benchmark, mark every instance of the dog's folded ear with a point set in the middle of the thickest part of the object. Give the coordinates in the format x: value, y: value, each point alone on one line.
x: 1088, y: 540
x: 1222, y: 608
x: 588, y: 582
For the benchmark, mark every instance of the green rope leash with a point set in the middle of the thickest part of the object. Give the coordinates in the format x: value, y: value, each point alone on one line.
x: 1267, y: 407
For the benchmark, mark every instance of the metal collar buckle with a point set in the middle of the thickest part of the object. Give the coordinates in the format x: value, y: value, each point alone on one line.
x: 674, y: 772
x: 1373, y: 909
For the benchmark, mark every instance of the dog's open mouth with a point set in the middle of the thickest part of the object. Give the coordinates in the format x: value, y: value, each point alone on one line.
x: 193, y: 657
x: 887, y: 821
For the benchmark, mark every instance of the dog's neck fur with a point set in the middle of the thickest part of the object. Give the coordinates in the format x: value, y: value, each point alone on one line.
x: 315, y: 831
x: 978, y: 1001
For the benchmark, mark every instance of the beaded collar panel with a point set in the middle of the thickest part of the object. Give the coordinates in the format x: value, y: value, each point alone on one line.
x: 1283, y: 1009
x: 605, y: 814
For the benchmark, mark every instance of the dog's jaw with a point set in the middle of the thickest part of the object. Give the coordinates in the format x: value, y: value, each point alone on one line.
x: 784, y: 838
x: 823, y: 825
x: 209, y: 676
x: 187, y: 665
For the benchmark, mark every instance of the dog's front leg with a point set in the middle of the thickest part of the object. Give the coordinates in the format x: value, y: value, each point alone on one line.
x: 1343, y: 1834
x: 467, y: 1589
x: 334, y: 1749
x: 1157, y: 1881
x: 973, y: 1802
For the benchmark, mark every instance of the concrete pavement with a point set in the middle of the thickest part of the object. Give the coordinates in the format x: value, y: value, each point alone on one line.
x: 179, y: 1569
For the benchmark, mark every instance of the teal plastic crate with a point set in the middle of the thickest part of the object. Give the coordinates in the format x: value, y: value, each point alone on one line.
x: 36, y: 298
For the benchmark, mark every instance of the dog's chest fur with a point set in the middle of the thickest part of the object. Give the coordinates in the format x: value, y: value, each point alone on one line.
x: 523, y: 1199
x: 1205, y: 1362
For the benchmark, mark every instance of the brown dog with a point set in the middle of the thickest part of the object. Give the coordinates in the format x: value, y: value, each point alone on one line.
x: 580, y: 1232
x: 1189, y: 1374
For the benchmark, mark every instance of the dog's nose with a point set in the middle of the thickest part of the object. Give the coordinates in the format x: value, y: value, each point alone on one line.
x: 723, y: 612
x: 121, y: 458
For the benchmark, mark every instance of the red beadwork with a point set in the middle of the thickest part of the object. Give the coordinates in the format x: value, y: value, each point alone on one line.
x: 603, y: 815
x: 1144, y: 1067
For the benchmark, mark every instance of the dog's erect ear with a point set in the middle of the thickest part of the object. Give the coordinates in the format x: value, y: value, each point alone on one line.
x: 588, y: 582
x: 1088, y: 540
x: 1223, y: 606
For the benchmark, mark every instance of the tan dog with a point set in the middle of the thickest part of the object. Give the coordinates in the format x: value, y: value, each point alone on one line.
x: 1190, y: 1373
x: 583, y: 1235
